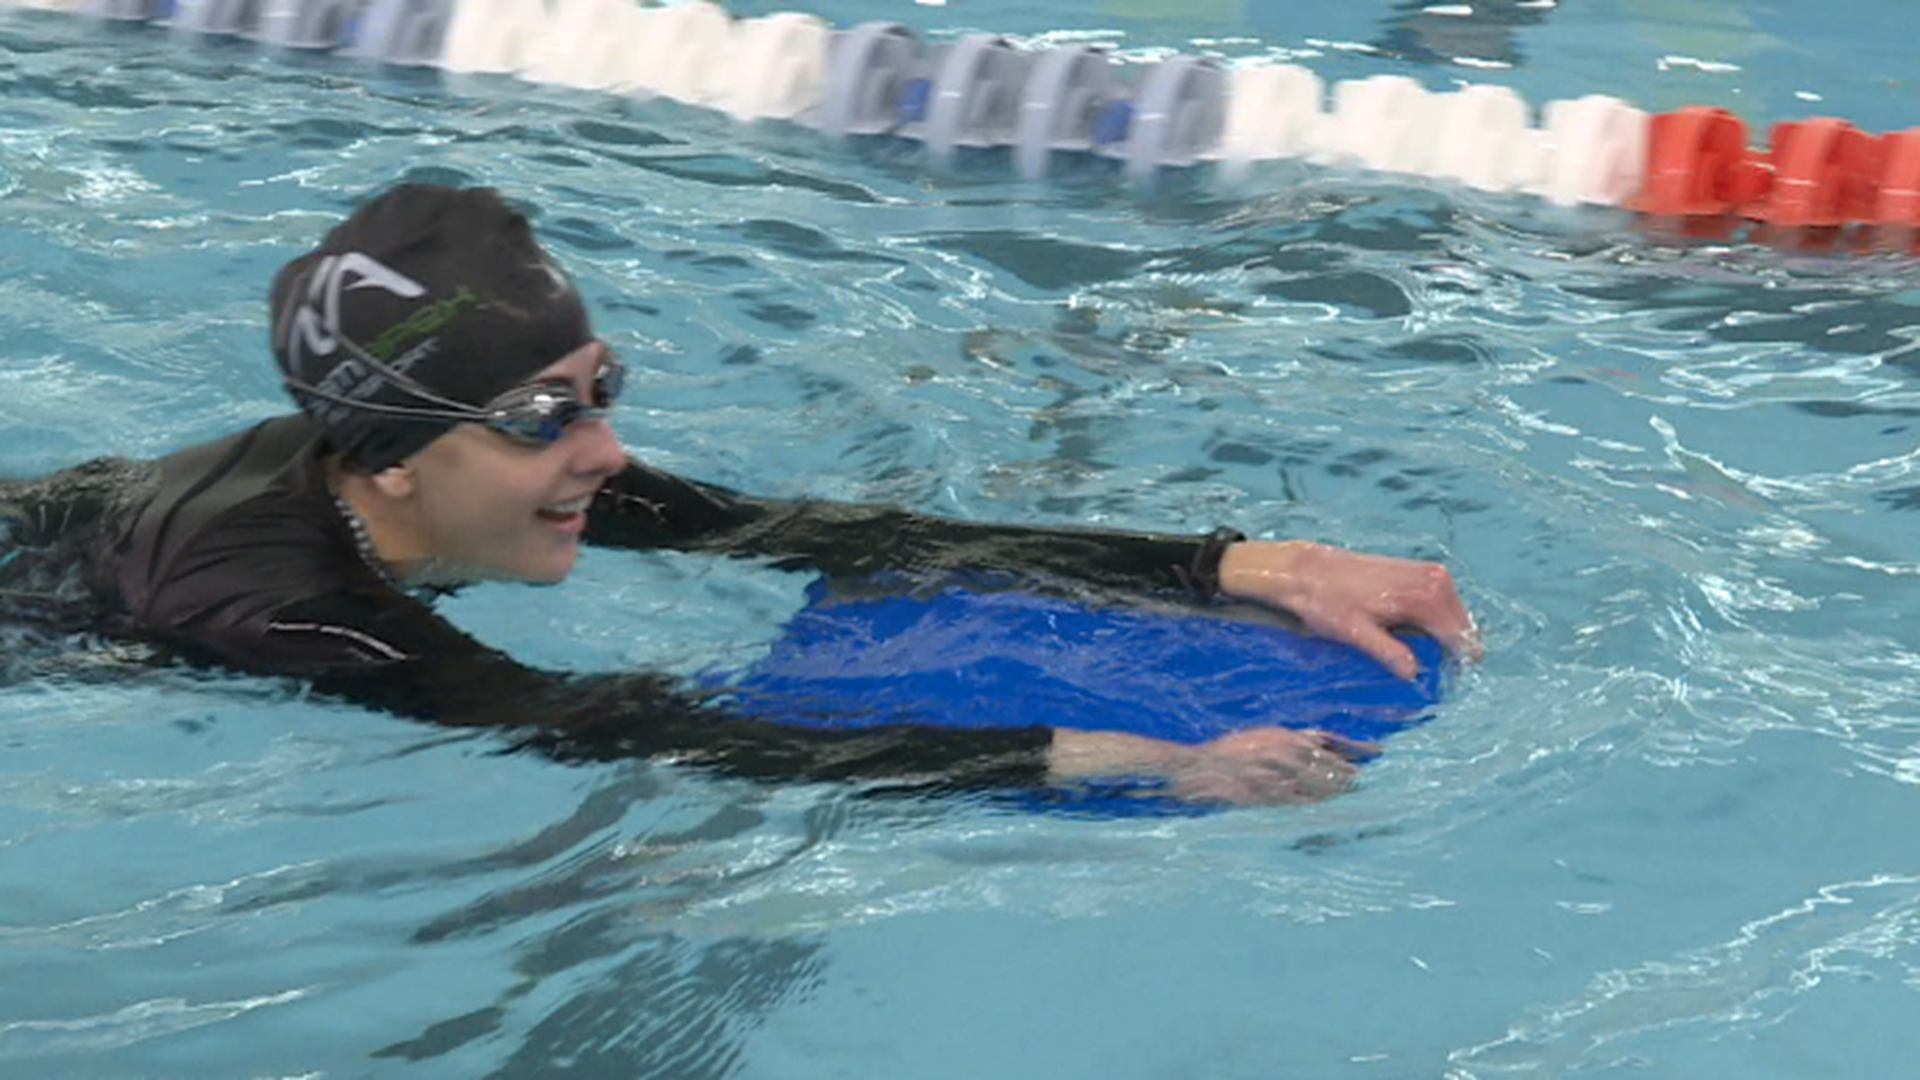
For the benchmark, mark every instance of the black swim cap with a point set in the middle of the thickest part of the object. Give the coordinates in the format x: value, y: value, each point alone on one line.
x: 445, y: 285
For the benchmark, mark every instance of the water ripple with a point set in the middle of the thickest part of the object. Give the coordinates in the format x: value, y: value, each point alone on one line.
x: 136, y: 1023
x: 1754, y: 980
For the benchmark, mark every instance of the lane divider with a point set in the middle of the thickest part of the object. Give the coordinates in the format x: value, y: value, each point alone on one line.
x: 1050, y: 105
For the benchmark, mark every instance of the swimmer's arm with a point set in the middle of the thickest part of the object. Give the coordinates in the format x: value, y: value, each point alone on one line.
x: 1347, y: 596
x: 1256, y: 766
x: 392, y: 654
x: 396, y: 655
x: 647, y: 508
x: 614, y: 717
x: 1253, y: 766
x: 364, y: 643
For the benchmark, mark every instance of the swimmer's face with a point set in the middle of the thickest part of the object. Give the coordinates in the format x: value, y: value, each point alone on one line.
x: 494, y: 509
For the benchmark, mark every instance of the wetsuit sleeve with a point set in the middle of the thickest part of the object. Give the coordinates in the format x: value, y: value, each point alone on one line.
x: 396, y: 654
x: 645, y: 507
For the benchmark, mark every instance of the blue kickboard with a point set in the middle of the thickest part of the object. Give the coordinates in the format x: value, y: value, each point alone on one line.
x: 961, y: 658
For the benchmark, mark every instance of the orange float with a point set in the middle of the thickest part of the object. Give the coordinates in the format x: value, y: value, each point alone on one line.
x: 1825, y: 172
x: 1698, y: 165
x: 1897, y: 202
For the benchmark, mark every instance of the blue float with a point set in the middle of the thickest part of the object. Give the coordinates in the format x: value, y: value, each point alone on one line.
x: 1070, y: 89
x: 976, y: 96
x: 983, y: 92
x: 308, y: 24
x: 1178, y: 115
x: 219, y: 18
x: 130, y: 10
x: 962, y: 657
x: 869, y: 69
x: 406, y: 32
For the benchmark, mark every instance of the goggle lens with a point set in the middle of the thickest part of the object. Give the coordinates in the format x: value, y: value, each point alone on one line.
x: 539, y: 415
x: 608, y: 382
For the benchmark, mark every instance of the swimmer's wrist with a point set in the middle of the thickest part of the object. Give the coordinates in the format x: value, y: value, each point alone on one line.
x: 1088, y: 755
x: 1267, y: 570
x: 1203, y: 574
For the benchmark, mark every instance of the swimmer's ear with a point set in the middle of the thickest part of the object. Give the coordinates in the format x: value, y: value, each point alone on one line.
x: 395, y: 481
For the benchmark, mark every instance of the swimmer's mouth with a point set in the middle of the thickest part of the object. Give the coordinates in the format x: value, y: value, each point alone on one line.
x: 564, y: 510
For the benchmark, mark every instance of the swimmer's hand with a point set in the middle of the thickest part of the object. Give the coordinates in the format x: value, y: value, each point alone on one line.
x: 1353, y: 597
x: 1257, y: 766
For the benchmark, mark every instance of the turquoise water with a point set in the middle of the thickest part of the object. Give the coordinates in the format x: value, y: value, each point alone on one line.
x: 1661, y: 831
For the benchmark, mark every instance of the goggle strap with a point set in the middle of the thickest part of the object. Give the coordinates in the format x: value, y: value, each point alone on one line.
x: 505, y: 420
x: 463, y: 413
x: 400, y: 378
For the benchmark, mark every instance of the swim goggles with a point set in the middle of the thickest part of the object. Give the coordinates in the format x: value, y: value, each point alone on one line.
x: 533, y: 414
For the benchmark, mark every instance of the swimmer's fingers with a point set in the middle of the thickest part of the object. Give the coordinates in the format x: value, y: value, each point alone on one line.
x: 1353, y: 750
x: 1271, y: 765
x: 1353, y: 597
x: 1461, y: 639
x: 1427, y: 600
x: 1372, y: 638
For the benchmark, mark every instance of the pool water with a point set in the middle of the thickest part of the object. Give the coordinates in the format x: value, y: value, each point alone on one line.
x: 1663, y: 830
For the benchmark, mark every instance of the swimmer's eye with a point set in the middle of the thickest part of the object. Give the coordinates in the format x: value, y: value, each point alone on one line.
x: 537, y: 415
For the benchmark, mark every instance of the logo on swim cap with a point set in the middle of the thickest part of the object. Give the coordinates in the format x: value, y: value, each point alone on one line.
x: 314, y: 328
x: 314, y: 332
x: 421, y: 326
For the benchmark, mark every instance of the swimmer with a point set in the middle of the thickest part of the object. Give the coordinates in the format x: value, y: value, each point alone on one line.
x: 452, y: 429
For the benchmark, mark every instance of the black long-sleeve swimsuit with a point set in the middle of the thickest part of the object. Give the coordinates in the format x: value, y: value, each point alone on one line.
x: 234, y: 553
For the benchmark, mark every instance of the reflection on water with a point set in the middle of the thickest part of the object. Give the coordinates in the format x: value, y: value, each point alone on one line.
x: 650, y: 1003
x: 1482, y: 32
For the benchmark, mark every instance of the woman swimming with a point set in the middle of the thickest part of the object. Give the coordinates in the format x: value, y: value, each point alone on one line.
x: 452, y: 429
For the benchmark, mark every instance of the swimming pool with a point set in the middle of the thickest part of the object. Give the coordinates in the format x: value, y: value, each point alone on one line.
x: 1660, y: 831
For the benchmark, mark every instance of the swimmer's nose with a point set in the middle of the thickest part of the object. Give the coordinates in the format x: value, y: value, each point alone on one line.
x: 596, y: 449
